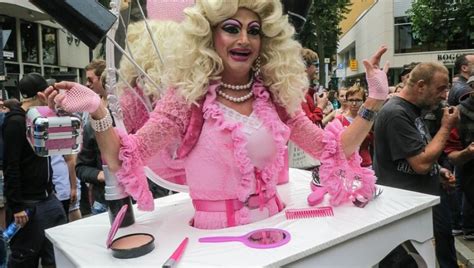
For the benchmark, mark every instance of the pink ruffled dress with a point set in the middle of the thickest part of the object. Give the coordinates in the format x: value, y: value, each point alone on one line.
x: 234, y: 156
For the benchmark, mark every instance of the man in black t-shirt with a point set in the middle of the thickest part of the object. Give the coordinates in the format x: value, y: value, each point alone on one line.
x: 401, y: 134
x: 405, y: 153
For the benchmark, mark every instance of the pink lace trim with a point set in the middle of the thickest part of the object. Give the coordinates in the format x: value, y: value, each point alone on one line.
x: 134, y: 111
x: 344, y: 178
x: 212, y: 110
x: 166, y: 125
x: 280, y: 132
x: 306, y: 134
x: 131, y: 175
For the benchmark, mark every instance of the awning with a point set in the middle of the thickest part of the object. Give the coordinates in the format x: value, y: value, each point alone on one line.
x: 22, y: 9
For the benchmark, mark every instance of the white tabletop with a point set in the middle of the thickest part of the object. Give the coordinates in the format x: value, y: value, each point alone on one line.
x: 83, y: 242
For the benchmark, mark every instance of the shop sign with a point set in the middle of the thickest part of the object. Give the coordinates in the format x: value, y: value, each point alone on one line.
x: 8, y: 54
x: 448, y: 58
x: 353, y: 65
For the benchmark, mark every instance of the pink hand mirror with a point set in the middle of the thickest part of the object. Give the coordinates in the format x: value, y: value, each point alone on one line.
x: 260, y: 238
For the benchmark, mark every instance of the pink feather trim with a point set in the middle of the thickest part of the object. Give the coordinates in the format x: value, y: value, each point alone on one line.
x: 344, y: 178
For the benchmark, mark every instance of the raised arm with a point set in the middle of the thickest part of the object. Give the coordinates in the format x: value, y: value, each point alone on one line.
x: 108, y: 141
x: 125, y: 154
x: 353, y: 136
x: 167, y: 122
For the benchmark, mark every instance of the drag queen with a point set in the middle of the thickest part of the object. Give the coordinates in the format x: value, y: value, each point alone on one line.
x: 235, y: 81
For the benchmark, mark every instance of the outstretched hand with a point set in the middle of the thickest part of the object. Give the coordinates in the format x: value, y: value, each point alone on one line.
x: 377, y: 78
x: 71, y: 97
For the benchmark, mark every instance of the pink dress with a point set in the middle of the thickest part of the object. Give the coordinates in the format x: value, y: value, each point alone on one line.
x: 226, y: 163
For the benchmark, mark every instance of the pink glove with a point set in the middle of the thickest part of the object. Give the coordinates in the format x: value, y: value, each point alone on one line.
x: 78, y: 99
x: 378, y: 85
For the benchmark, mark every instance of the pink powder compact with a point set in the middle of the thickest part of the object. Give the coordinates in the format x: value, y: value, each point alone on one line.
x: 131, y: 245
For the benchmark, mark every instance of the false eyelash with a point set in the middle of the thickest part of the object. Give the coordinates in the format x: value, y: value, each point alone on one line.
x: 304, y: 213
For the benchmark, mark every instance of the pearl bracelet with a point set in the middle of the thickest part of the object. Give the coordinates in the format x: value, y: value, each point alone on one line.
x: 102, y: 124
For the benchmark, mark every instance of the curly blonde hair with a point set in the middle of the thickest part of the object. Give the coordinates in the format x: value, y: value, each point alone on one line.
x: 196, y: 63
x: 144, y: 54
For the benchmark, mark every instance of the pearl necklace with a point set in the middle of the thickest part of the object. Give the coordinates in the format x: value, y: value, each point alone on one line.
x: 238, y: 87
x: 234, y: 99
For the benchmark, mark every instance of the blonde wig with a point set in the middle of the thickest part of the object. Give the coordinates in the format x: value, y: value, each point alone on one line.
x: 144, y: 54
x: 195, y: 62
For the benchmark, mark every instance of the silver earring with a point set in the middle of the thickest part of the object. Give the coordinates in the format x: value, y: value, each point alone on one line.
x: 256, y: 67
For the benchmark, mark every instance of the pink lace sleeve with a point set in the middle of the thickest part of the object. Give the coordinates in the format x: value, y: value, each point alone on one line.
x: 166, y: 125
x: 343, y: 177
x: 134, y: 111
x: 306, y: 134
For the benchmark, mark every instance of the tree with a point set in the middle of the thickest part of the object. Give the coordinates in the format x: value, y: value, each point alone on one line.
x: 321, y: 31
x: 443, y: 24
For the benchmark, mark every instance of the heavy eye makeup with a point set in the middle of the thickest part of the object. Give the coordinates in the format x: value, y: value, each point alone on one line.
x: 254, y: 28
x: 234, y: 27
x: 231, y: 26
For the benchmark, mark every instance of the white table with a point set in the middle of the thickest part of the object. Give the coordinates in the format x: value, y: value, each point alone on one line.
x: 353, y: 237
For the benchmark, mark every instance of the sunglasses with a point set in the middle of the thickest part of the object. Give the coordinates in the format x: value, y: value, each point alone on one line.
x: 309, y: 63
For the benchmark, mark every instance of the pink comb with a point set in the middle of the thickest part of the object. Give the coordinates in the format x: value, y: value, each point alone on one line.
x: 304, y: 213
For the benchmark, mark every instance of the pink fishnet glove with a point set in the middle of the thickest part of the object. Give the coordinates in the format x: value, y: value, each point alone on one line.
x: 378, y: 85
x: 78, y: 99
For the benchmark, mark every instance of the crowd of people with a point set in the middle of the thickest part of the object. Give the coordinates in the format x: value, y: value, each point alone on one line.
x: 232, y: 94
x: 416, y: 144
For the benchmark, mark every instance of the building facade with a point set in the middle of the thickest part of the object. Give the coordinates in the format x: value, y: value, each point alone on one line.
x: 386, y: 22
x: 33, y: 42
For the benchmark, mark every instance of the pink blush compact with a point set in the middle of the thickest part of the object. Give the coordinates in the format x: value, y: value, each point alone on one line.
x: 132, y: 245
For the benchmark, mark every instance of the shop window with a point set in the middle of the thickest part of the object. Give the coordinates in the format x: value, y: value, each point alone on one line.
x: 12, y: 68
x: 9, y: 31
x: 407, y: 42
x: 50, y: 71
x: 11, y: 84
x: 29, y: 41
x: 50, y: 49
x: 31, y: 69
